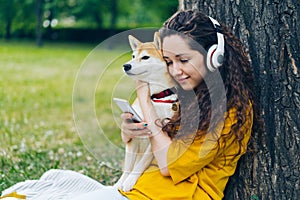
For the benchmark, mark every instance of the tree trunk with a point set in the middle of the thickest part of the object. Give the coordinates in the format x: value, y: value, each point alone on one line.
x: 50, y: 18
x: 113, y: 20
x: 270, y: 31
x: 114, y: 16
x: 8, y: 13
x: 39, y: 15
x: 8, y: 29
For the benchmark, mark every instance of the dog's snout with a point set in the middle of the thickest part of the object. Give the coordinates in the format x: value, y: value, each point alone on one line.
x: 127, y: 67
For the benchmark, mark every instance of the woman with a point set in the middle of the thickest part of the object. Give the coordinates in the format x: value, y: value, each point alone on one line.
x: 197, y: 150
x: 196, y: 164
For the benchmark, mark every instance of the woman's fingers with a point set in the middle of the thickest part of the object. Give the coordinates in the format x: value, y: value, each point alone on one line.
x: 132, y: 129
x: 137, y: 133
x: 131, y: 126
x: 126, y: 116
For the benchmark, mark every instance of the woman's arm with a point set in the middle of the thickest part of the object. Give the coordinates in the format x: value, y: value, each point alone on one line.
x: 160, y: 141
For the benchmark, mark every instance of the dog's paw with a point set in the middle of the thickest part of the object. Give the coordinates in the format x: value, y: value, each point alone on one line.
x: 127, y: 188
x: 130, y: 182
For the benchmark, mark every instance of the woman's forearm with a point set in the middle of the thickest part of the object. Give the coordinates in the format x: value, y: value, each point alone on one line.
x: 160, y: 145
x: 160, y: 141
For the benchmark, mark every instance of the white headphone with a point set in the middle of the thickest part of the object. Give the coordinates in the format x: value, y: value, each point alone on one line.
x: 215, y: 54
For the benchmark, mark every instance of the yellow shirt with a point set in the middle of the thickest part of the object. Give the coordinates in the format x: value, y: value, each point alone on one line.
x: 200, y: 172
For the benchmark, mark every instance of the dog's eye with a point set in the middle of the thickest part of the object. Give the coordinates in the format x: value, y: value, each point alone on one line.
x: 169, y: 63
x: 145, y: 57
x: 133, y: 56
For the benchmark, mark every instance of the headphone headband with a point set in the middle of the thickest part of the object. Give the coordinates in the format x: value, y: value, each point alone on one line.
x: 219, y: 34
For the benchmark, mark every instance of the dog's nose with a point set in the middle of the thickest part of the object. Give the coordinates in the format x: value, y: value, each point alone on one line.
x: 127, y: 67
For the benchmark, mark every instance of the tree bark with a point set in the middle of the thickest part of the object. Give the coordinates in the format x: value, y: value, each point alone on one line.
x: 270, y: 32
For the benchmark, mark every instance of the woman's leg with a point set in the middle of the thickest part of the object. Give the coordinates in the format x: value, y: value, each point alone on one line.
x: 56, y: 184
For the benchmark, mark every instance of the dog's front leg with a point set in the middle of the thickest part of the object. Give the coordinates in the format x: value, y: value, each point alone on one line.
x: 130, y: 159
x: 138, y: 169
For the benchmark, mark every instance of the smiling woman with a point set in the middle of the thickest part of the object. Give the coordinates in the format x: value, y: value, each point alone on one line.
x: 196, y: 150
x: 187, y: 66
x: 213, y: 127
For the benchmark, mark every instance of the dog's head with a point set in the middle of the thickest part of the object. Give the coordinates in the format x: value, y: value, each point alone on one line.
x: 147, y: 63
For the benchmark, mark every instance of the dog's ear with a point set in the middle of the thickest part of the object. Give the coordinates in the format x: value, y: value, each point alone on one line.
x: 134, y: 43
x: 157, y: 40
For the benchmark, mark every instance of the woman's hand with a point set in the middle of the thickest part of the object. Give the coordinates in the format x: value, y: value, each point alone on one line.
x: 131, y: 129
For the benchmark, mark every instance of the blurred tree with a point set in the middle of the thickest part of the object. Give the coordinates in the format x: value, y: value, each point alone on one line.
x: 25, y: 23
x: 114, y: 14
x: 7, y: 14
x: 162, y: 9
x: 23, y: 19
x: 91, y: 12
x: 39, y: 15
x: 48, y: 9
x: 138, y: 13
x: 16, y: 15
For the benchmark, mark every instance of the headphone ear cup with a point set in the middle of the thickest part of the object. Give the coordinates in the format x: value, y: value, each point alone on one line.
x: 210, y: 58
x: 214, y: 58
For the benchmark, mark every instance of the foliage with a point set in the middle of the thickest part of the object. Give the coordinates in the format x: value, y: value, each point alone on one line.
x: 19, y: 17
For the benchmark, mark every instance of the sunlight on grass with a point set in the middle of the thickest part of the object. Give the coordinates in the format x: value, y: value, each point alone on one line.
x: 36, y: 91
x: 37, y: 131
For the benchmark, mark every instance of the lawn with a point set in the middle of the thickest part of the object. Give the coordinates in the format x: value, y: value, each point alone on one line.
x: 37, y: 105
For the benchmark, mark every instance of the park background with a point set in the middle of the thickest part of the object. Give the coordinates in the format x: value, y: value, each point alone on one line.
x: 44, y: 42
x: 42, y: 47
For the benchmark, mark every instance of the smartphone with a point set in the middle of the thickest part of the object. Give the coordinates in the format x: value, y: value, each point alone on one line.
x: 126, y: 107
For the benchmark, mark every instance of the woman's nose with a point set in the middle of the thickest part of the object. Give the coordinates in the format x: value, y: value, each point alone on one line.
x: 177, y: 68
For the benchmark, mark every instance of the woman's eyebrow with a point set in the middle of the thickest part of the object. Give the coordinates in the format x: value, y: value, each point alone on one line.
x: 178, y: 55
x: 182, y: 54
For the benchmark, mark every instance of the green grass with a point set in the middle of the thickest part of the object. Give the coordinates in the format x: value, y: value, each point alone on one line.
x: 37, y: 130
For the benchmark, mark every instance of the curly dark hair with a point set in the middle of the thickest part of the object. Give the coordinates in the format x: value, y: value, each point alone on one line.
x: 236, y: 72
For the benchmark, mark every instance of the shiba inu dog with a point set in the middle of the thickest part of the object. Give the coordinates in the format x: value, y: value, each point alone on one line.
x: 147, y: 65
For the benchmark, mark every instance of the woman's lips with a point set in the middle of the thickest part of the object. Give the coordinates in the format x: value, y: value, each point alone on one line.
x: 182, y: 79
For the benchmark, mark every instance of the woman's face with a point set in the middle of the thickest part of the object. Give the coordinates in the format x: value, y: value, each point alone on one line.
x: 185, y: 65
